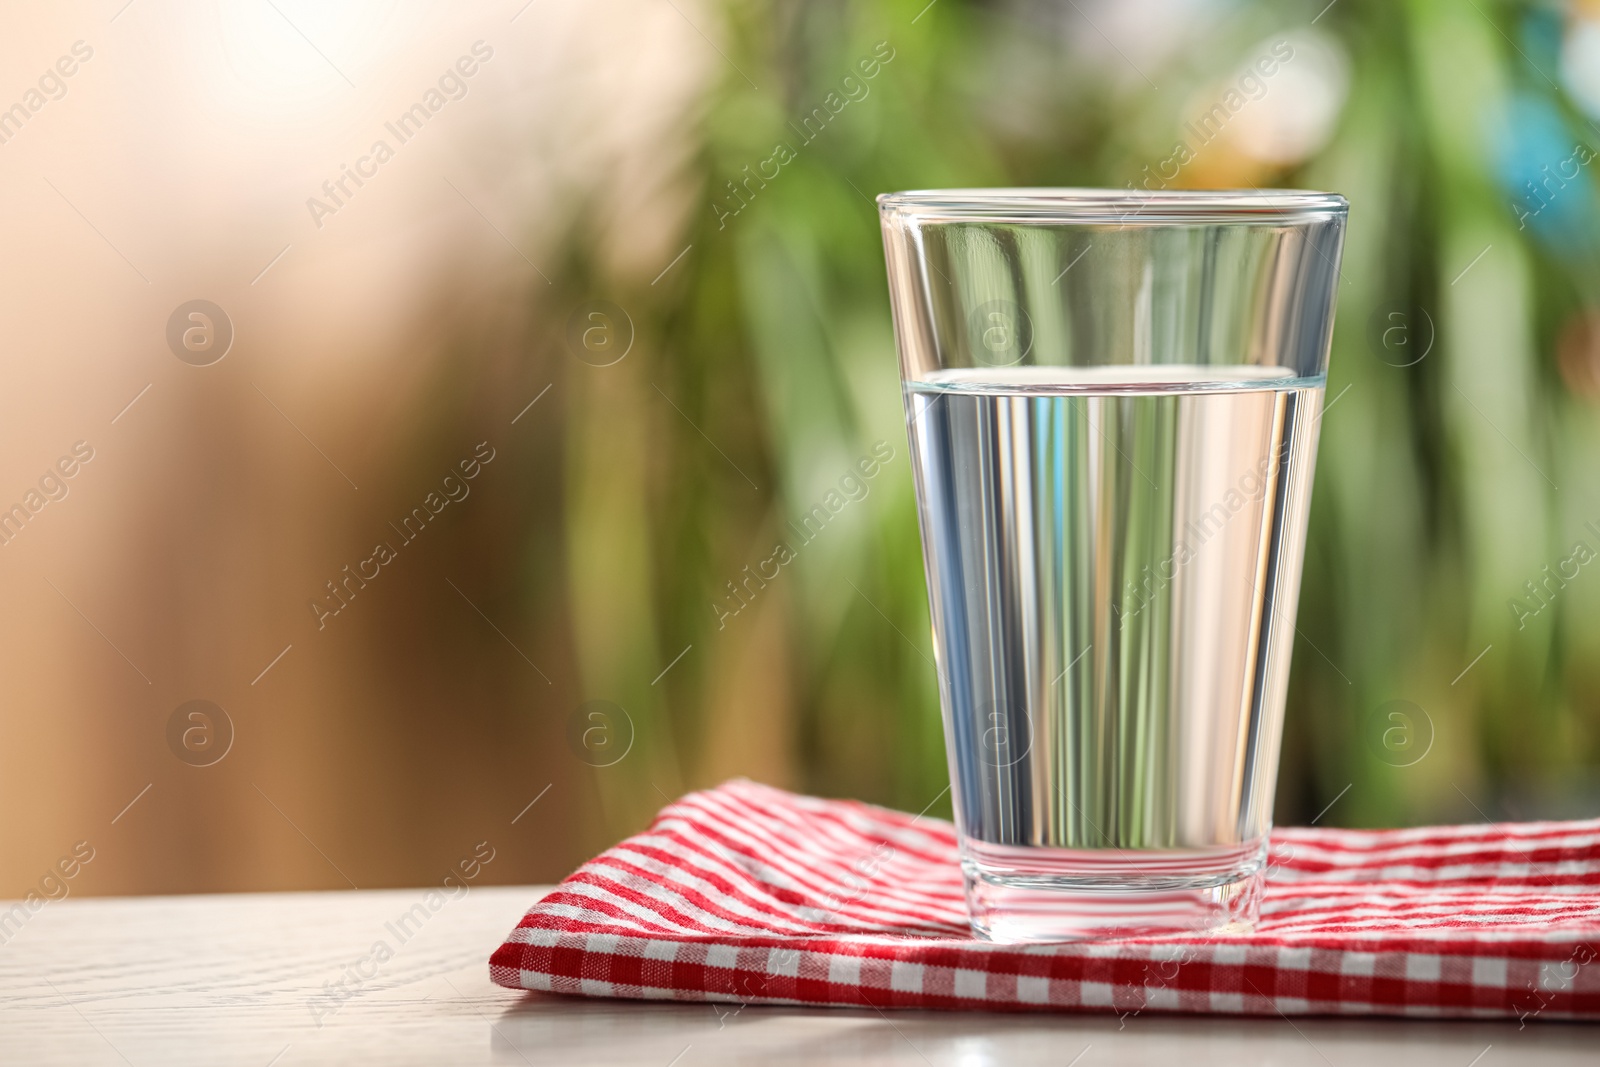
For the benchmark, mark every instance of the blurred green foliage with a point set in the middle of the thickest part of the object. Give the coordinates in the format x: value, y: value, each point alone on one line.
x: 1459, y: 445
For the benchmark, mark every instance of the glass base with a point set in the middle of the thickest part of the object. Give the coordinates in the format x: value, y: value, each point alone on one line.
x: 1011, y: 907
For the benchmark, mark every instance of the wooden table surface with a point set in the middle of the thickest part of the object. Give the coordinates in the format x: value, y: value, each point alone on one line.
x: 281, y: 980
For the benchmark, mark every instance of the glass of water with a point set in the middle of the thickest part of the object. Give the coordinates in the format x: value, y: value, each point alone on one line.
x: 1113, y: 400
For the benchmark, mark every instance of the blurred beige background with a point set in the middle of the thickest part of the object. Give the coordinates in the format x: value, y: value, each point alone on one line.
x: 372, y: 353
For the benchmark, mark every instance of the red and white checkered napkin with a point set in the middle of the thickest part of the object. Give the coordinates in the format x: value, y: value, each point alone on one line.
x: 749, y: 894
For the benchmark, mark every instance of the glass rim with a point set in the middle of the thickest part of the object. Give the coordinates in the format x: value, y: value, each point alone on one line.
x: 1118, y: 207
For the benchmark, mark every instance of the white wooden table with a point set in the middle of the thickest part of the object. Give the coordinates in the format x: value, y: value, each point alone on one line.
x: 254, y: 980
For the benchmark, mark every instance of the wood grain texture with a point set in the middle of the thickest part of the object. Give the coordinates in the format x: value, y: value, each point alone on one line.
x: 254, y: 980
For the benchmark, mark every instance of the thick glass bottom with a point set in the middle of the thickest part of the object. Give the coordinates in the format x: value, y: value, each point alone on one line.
x: 1126, y: 893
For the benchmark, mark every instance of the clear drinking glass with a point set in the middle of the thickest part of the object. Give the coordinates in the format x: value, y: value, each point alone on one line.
x: 1113, y: 401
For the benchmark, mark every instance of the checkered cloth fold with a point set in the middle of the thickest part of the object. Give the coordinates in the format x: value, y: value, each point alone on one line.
x: 749, y: 894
